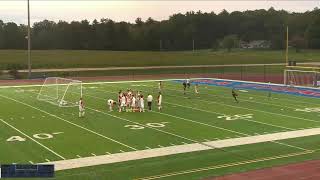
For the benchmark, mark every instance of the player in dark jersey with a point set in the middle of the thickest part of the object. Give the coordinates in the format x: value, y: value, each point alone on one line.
x: 234, y: 94
x: 184, y: 87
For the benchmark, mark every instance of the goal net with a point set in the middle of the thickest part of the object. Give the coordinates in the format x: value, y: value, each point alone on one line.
x: 305, y: 78
x: 61, y: 91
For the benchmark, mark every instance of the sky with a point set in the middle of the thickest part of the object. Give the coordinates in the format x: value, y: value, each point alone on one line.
x: 121, y: 10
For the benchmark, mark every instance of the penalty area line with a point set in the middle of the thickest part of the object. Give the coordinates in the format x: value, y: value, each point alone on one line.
x: 55, y: 153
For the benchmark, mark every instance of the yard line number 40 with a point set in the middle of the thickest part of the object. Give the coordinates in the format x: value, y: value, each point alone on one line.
x: 41, y: 136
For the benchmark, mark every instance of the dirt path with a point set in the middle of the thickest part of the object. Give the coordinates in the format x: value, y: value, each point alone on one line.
x: 155, y: 67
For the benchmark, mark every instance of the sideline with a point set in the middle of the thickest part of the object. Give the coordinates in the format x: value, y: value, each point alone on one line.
x: 178, y: 149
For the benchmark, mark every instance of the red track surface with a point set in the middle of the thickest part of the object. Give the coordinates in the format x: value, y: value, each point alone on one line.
x: 309, y: 170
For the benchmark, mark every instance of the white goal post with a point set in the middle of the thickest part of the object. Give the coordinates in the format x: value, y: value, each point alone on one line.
x: 61, y: 91
x: 304, y: 78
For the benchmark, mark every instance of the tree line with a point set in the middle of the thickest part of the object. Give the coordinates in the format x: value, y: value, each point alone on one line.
x: 178, y: 32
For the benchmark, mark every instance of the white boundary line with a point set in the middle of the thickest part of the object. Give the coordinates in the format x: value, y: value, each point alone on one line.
x: 185, y: 148
x: 55, y: 153
x: 154, y: 80
x: 96, y: 133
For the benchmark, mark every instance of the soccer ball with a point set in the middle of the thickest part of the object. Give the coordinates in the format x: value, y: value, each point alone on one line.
x: 63, y: 103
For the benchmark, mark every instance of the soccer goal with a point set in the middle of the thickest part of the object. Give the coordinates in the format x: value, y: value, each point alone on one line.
x: 305, y: 78
x: 61, y: 91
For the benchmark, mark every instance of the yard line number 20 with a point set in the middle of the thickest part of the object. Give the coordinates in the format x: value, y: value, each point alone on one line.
x: 151, y: 125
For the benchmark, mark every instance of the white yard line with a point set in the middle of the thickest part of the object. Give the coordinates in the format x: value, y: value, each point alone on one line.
x: 47, y: 148
x: 250, y: 100
x: 159, y: 130
x: 224, y: 97
x: 268, y: 124
x: 238, y: 107
x: 178, y: 149
x: 74, y: 124
x: 212, y: 112
x: 205, y: 124
x: 216, y: 127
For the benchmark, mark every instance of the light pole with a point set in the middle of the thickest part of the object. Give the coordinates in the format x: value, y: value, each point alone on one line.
x: 29, y: 43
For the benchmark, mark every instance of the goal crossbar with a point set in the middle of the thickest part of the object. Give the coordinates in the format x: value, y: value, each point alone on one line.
x: 60, y: 91
x: 304, y: 78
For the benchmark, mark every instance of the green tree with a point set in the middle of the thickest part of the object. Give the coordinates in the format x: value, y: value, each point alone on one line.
x: 229, y: 42
x: 313, y: 33
x: 298, y: 43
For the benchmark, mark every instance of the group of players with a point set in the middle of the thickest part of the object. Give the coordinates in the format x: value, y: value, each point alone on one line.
x: 129, y: 101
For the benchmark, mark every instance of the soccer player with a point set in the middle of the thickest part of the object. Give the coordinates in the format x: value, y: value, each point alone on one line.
x: 133, y: 103
x: 129, y: 99
x: 141, y: 107
x: 159, y: 101
x: 184, y: 87
x: 149, y: 99
x: 81, y: 108
x: 160, y: 86
x: 111, y: 103
x: 123, y: 103
x: 119, y: 99
x: 188, y: 83
x: 234, y: 94
x: 196, y: 89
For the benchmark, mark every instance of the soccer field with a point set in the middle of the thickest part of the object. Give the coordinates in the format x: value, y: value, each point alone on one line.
x: 195, y: 136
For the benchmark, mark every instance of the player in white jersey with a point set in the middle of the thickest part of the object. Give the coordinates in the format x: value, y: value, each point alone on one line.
x: 111, y: 103
x: 141, y: 107
x: 159, y: 101
x: 188, y: 83
x: 133, y: 103
x: 123, y: 103
x: 149, y: 100
x: 81, y: 108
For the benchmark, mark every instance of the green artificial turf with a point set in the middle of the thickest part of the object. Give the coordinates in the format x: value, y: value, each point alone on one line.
x: 185, y: 119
